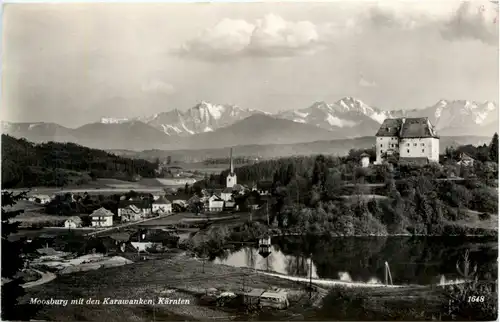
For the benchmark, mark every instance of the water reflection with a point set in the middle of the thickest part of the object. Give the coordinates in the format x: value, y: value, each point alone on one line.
x: 411, y: 260
x: 277, y: 261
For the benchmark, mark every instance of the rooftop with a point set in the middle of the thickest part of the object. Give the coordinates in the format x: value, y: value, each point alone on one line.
x: 418, y: 127
x: 162, y: 201
x: 102, y: 212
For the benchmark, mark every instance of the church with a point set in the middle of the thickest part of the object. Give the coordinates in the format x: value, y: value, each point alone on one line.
x: 231, y: 182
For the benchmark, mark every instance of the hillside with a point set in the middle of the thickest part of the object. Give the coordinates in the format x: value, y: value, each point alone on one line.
x: 266, y: 151
x: 26, y: 164
x: 257, y: 129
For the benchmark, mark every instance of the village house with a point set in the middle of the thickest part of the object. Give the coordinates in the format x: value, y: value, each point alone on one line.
x: 157, y: 195
x: 102, y: 218
x: 263, y: 188
x: 465, y: 160
x: 407, y: 139
x: 133, y: 210
x: 73, y: 222
x: 162, y: 206
x: 41, y: 199
x: 214, y: 204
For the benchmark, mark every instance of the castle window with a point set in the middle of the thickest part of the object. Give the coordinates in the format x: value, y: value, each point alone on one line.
x: 423, y: 150
x: 414, y: 144
x: 408, y: 150
x: 381, y: 145
x: 407, y: 144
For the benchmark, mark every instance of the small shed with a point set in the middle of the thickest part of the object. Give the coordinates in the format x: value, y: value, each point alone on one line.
x: 253, y: 297
x: 274, y: 299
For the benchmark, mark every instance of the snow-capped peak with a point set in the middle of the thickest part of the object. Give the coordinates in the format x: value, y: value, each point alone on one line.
x: 112, y: 120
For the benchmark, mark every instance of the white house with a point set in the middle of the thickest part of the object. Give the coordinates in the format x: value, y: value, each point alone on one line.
x: 131, y: 210
x: 465, y: 160
x: 162, y: 206
x: 41, y: 199
x: 227, y: 194
x: 407, y: 139
x: 73, y: 222
x: 365, y: 160
x: 102, y: 218
x: 215, y: 203
x: 158, y: 195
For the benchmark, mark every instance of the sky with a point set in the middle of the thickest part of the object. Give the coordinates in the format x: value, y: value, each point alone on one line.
x: 73, y: 63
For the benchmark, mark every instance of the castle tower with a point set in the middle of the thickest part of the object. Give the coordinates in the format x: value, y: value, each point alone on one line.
x: 231, y: 177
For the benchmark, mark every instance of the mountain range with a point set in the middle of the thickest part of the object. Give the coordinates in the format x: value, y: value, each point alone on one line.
x: 208, y: 125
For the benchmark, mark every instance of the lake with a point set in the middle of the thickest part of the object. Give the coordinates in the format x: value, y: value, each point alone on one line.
x: 412, y: 260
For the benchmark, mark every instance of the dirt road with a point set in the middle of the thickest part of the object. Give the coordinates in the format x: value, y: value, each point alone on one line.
x: 46, y: 277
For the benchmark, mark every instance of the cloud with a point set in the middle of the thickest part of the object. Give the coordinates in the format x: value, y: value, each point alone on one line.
x: 363, y: 82
x: 472, y: 22
x: 274, y: 36
x: 156, y: 86
x: 269, y: 36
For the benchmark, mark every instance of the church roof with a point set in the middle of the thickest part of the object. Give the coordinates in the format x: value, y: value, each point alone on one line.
x: 227, y: 190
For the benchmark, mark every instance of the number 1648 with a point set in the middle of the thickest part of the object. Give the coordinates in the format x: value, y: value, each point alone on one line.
x: 476, y: 299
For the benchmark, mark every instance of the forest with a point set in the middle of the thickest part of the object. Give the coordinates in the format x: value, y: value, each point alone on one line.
x: 308, y: 193
x: 26, y: 164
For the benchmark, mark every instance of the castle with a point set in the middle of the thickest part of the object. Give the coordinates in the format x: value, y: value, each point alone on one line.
x: 407, y: 139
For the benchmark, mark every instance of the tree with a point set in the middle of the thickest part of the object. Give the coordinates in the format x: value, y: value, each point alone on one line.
x: 333, y: 184
x: 493, y: 148
x: 12, y: 262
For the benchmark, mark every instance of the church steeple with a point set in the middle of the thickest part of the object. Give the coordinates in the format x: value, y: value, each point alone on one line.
x: 231, y: 177
x: 231, y: 161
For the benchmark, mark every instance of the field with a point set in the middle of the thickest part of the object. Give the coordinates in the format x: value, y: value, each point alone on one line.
x: 176, y: 277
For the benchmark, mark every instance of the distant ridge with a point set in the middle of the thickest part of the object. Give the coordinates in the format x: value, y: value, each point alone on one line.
x: 208, y: 125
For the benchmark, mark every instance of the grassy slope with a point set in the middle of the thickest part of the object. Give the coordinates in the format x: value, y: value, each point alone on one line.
x: 149, y: 280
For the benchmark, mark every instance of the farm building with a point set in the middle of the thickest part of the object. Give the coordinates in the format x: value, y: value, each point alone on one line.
x: 41, y: 199
x: 102, y: 218
x: 162, y: 206
x: 132, y: 210
x: 73, y: 222
x: 215, y: 203
x: 465, y: 160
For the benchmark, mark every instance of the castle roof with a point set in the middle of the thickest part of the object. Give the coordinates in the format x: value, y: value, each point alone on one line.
x: 390, y: 127
x: 418, y: 127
